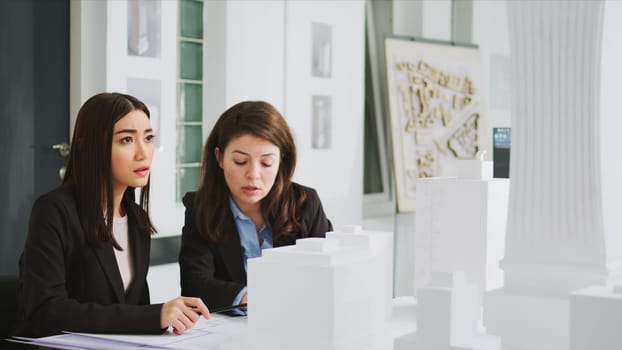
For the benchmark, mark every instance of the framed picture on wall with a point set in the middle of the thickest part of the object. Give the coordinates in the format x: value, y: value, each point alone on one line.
x: 321, y: 120
x: 436, y: 110
x: 144, y: 28
x: 321, y: 50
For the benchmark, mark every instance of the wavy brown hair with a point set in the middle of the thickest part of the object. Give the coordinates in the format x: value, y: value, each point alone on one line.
x: 89, y: 167
x: 281, y: 205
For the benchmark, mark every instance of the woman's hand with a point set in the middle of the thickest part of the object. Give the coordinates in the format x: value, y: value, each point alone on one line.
x: 182, y: 313
x: 244, y: 301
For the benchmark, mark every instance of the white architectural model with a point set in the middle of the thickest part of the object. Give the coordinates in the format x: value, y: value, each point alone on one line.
x: 461, y: 224
x: 318, y: 294
x: 564, y: 221
x: 477, y: 169
x: 595, y: 318
x: 380, y: 243
x: 447, y: 317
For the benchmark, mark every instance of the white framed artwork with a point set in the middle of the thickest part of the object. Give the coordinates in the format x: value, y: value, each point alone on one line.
x: 321, y: 50
x: 144, y: 28
x: 321, y: 128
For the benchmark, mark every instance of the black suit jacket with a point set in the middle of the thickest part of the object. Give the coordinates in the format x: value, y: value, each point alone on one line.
x: 215, y: 271
x: 67, y: 285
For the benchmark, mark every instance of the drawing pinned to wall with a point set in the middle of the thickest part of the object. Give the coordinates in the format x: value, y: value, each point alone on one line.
x: 148, y: 91
x: 144, y: 28
x: 321, y: 115
x: 321, y: 50
x: 436, y: 110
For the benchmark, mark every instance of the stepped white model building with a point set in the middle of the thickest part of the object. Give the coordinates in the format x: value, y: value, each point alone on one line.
x: 461, y: 224
x: 318, y: 294
x: 447, y: 317
x: 380, y: 243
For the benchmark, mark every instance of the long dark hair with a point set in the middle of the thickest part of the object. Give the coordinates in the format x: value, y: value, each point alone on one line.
x: 89, y: 168
x: 281, y: 206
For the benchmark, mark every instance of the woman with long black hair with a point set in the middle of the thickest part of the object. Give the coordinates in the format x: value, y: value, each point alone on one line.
x: 85, y: 260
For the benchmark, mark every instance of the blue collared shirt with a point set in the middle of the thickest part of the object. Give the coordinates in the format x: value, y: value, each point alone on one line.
x: 249, y: 239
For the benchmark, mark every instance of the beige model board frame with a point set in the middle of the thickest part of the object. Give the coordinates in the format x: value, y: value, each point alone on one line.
x: 436, y: 110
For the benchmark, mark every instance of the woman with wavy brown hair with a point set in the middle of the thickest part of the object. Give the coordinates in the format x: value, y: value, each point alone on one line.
x: 246, y: 202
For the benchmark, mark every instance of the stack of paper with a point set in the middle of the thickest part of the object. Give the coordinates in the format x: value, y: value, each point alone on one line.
x: 206, y: 334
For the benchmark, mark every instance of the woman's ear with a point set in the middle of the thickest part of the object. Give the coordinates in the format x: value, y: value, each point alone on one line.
x: 218, y: 156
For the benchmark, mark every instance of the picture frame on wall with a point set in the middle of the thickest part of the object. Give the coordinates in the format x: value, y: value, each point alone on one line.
x: 321, y: 121
x: 144, y: 28
x: 321, y: 50
x: 436, y: 110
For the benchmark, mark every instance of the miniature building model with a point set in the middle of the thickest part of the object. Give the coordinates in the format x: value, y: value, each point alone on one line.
x: 381, y: 244
x: 595, y: 318
x: 461, y: 225
x: 318, y: 294
x: 447, y: 313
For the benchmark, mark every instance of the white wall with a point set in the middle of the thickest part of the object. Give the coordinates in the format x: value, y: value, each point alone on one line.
x: 490, y: 33
x: 336, y: 173
x: 429, y: 19
x: 437, y: 19
x: 408, y: 17
x: 87, y: 72
x: 255, y: 52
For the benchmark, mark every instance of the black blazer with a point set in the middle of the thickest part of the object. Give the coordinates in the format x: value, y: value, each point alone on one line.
x: 67, y: 285
x: 215, y: 271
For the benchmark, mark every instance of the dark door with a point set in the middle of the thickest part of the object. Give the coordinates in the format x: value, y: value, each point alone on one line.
x: 34, y: 112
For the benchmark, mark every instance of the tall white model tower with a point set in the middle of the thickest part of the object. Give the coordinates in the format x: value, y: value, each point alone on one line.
x: 564, y: 220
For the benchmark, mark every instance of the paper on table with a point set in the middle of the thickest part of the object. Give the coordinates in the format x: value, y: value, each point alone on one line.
x: 76, y: 342
x: 204, y: 335
x: 214, y: 331
x: 31, y: 341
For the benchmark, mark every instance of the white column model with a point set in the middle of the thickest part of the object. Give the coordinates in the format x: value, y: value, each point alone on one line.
x: 564, y: 218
